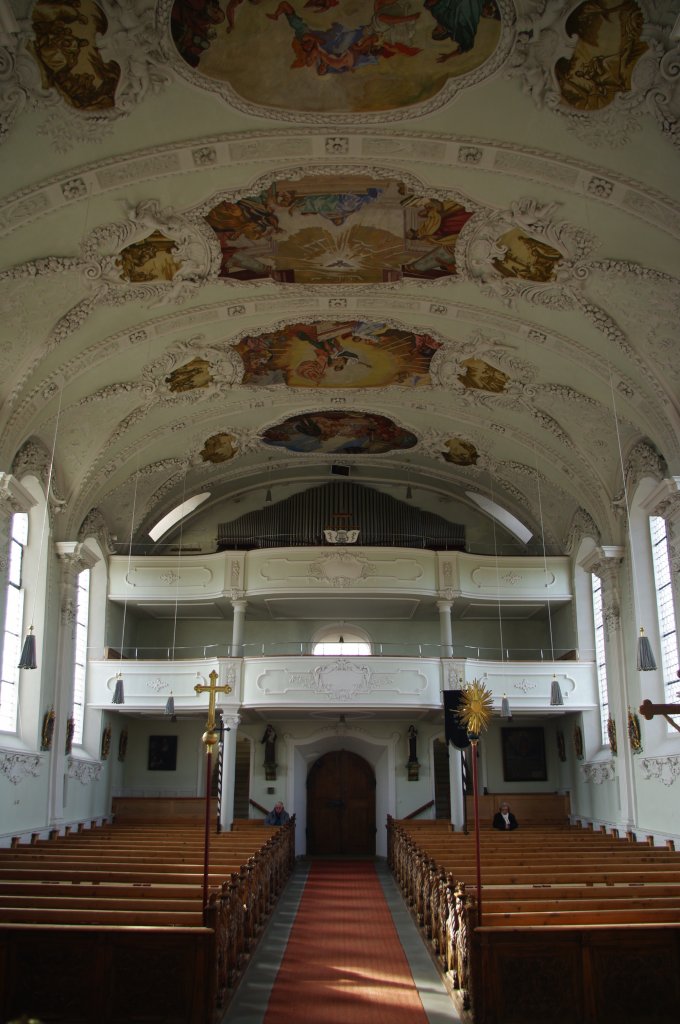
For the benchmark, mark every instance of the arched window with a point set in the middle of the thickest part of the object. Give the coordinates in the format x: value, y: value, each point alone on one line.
x: 600, y: 660
x: 665, y: 607
x: 345, y: 640
x: 14, y: 619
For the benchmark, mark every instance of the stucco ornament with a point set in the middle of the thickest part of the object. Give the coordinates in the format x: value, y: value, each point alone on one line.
x: 544, y: 48
x: 546, y: 272
x: 85, y: 772
x: 341, y: 568
x: 130, y: 40
x: 663, y: 769
x: 598, y: 772
x: 17, y: 766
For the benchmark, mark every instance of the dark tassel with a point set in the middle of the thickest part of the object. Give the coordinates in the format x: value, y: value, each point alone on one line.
x: 118, y: 693
x: 27, y: 659
x: 505, y: 707
x: 556, y: 698
x: 645, y: 657
x: 170, y: 705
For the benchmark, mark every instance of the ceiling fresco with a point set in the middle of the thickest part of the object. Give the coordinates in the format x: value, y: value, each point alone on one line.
x: 337, y: 355
x: 335, y: 56
x: 432, y: 240
x: 337, y: 230
x: 339, y: 433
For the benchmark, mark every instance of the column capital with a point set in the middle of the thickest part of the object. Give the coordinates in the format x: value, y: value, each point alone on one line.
x: 75, y: 555
x: 664, y: 500
x: 14, y: 497
x: 239, y: 604
x: 604, y: 562
x: 444, y: 605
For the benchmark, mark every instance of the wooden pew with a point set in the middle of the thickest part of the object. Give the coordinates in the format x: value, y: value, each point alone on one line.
x: 116, y: 897
x: 565, y: 911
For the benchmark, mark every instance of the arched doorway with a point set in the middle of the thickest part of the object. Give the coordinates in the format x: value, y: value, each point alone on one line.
x: 341, y: 805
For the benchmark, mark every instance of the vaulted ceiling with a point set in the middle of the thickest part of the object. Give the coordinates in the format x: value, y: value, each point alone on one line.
x: 434, y: 242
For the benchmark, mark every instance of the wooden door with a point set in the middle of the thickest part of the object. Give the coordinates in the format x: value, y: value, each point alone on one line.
x: 341, y: 805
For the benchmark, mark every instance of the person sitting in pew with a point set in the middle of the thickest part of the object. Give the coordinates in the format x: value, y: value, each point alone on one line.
x: 504, y: 819
x: 277, y: 816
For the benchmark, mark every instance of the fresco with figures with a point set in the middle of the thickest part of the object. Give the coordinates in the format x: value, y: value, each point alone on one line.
x: 335, y: 56
x: 337, y: 230
x: 460, y: 452
x: 355, y: 354
x: 608, y: 46
x: 150, y: 259
x: 339, y: 433
x: 68, y: 57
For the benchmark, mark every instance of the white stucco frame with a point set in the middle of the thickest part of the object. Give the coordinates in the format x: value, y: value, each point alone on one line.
x: 302, y: 753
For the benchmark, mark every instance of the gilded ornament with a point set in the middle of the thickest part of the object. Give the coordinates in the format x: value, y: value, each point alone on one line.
x: 476, y: 708
x: 634, y: 731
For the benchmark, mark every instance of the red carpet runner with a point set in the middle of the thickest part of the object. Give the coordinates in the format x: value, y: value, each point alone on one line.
x: 344, y: 963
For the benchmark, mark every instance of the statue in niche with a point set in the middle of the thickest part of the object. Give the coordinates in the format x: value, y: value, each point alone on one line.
x: 412, y: 766
x: 269, y: 740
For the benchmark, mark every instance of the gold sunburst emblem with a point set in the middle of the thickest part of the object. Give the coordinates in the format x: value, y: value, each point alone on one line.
x: 475, y: 709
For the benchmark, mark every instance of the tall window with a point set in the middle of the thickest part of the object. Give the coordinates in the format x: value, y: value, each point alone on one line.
x: 14, y: 619
x: 665, y: 607
x: 600, y: 660
x: 80, y: 660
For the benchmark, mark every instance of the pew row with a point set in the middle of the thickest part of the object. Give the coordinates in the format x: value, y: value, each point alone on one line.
x: 114, y: 929
x: 566, y: 915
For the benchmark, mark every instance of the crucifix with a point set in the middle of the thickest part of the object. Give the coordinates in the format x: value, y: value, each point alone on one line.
x: 648, y: 710
x: 210, y: 739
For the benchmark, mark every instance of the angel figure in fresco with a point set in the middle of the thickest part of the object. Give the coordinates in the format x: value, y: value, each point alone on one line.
x: 456, y: 20
x: 192, y: 23
x: 329, y: 354
x: 339, y: 49
x: 333, y: 206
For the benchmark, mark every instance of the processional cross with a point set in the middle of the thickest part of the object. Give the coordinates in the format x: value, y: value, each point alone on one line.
x: 648, y: 710
x: 210, y: 739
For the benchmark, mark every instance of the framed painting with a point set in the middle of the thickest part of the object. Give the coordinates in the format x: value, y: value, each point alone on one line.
x: 162, y: 754
x: 524, y: 754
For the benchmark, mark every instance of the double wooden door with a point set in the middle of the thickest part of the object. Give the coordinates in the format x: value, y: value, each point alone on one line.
x: 341, y: 805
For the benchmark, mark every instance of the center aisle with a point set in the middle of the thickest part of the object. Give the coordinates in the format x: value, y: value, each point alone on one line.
x: 341, y: 949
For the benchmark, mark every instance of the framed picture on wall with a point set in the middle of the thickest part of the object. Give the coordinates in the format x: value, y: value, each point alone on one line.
x: 162, y: 754
x: 524, y: 754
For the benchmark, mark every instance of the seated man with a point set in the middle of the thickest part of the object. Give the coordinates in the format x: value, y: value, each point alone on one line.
x: 504, y: 819
x: 277, y: 816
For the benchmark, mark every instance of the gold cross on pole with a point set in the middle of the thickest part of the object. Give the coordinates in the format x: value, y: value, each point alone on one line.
x: 213, y: 689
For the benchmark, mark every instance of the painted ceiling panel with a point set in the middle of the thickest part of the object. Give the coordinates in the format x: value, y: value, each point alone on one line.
x: 435, y: 240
